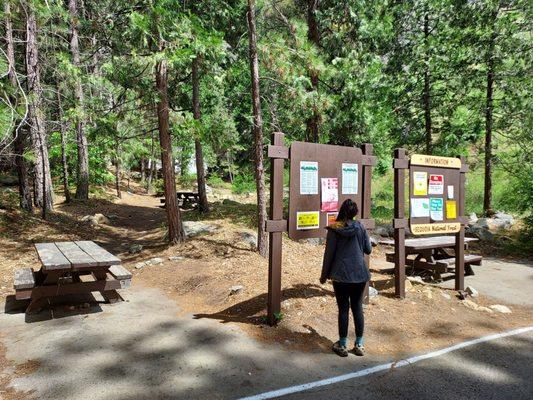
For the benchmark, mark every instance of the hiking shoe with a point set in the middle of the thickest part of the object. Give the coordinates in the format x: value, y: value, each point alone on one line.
x: 340, y: 350
x: 359, y: 350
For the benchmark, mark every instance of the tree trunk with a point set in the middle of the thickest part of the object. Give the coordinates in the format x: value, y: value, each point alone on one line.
x: 19, y: 139
x: 117, y: 171
x: 314, y: 37
x: 151, y: 167
x: 62, y: 132
x: 203, y: 206
x: 143, y: 170
x: 82, y: 187
x: 43, y: 180
x: 487, y: 191
x: 175, y: 227
x: 427, y: 87
x: 262, y: 241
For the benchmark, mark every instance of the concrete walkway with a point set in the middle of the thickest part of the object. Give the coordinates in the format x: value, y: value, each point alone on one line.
x: 506, y: 281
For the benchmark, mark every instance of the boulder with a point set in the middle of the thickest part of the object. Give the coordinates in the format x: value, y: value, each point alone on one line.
x: 96, y: 219
x: 384, y: 230
x: 135, y: 248
x: 314, y: 241
x: 500, y: 308
x: 249, y: 238
x: 470, y: 304
x: 195, y: 228
x: 507, y: 220
x: 472, y: 219
x: 480, y: 231
x: 235, y: 289
x: 140, y: 265
x: 472, y: 291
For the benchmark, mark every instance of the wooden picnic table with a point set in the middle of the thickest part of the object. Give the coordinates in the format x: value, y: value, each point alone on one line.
x: 186, y: 199
x: 79, y: 267
x: 430, y: 253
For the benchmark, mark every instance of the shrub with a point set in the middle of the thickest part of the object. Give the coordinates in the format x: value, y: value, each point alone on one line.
x: 243, y: 183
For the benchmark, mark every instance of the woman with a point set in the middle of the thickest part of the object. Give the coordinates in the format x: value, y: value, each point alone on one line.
x: 347, y: 242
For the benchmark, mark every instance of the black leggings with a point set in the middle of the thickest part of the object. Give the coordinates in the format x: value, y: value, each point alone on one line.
x: 350, y: 294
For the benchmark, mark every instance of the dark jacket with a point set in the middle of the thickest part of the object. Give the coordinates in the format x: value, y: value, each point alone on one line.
x: 344, y: 256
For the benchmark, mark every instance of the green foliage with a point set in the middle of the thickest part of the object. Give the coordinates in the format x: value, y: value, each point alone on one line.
x: 243, y: 183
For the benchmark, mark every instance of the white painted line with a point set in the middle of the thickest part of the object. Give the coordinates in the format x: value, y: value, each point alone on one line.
x: 383, y: 367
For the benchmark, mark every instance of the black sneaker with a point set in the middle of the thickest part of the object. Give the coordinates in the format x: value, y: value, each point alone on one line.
x: 340, y: 350
x: 359, y: 350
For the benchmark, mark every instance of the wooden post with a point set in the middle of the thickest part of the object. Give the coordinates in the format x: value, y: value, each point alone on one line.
x: 366, y: 205
x: 460, y: 236
x: 276, y: 225
x: 400, y: 165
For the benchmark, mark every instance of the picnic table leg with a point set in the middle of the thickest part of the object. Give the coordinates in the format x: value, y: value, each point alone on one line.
x: 110, y: 296
x: 36, y: 304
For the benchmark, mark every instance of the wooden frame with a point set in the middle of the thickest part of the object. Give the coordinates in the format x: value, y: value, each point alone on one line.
x: 453, y: 171
x: 330, y: 159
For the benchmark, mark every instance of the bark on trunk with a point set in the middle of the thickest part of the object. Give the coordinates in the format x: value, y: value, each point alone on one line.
x: 43, y: 181
x: 314, y: 37
x: 262, y: 238
x: 427, y: 89
x: 203, y: 205
x: 82, y: 187
x: 143, y: 170
x: 63, y: 133
x: 151, y: 167
x: 19, y: 139
x: 487, y: 191
x: 175, y: 227
x: 117, y: 171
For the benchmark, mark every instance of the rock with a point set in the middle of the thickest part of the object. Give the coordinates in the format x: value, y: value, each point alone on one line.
x: 96, y: 219
x: 112, y: 216
x: 472, y: 291
x: 135, y: 248
x: 236, y: 289
x: 155, y: 261
x: 384, y: 230
x: 249, y: 238
x: 485, y: 309
x: 500, y: 308
x: 374, y: 240
x: 481, y: 232
x: 314, y: 241
x: 408, y: 285
x: 445, y: 295
x: 195, y: 228
x: 372, y: 292
x: 416, y: 279
x: 470, y: 304
x: 428, y: 293
x: 230, y: 202
x: 472, y: 218
x: 462, y: 294
x: 208, y: 189
x: 176, y: 258
x: 140, y: 265
x: 507, y: 220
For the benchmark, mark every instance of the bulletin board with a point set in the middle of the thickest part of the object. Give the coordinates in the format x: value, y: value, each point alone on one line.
x: 321, y: 178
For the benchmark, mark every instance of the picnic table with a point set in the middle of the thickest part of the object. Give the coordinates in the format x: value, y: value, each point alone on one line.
x: 67, y: 268
x: 186, y: 199
x: 431, y: 253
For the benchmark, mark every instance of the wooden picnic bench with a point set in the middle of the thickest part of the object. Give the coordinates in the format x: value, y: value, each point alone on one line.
x: 186, y: 199
x: 67, y: 268
x: 431, y: 253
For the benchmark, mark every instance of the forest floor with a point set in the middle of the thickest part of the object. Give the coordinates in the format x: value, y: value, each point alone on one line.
x: 209, y: 265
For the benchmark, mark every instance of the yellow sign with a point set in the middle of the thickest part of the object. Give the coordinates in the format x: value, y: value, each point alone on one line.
x: 451, y: 209
x: 307, y: 220
x: 420, y: 183
x: 435, y: 161
x: 427, y: 229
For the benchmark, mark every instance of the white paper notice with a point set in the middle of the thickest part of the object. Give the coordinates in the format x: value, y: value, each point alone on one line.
x: 436, y: 184
x: 419, y: 207
x: 450, y: 192
x: 436, y: 209
x: 308, y: 177
x: 350, y: 178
